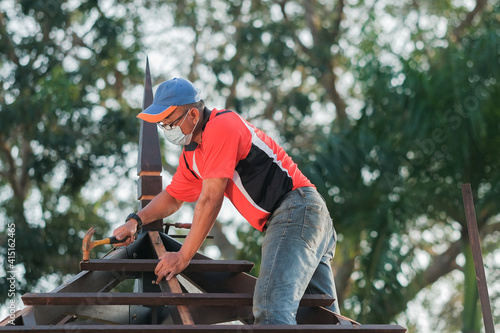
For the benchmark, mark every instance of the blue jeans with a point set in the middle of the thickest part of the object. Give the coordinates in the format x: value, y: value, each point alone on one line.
x: 296, y: 253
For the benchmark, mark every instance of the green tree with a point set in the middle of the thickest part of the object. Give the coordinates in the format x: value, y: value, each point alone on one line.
x: 65, y: 123
x: 429, y: 124
x: 389, y: 106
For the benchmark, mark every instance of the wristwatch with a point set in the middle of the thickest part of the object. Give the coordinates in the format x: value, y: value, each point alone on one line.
x: 135, y: 217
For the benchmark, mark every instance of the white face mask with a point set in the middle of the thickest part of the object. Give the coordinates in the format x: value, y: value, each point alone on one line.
x: 176, y: 136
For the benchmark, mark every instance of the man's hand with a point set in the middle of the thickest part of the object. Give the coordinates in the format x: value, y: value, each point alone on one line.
x: 127, y: 229
x: 171, y: 264
x: 205, y: 212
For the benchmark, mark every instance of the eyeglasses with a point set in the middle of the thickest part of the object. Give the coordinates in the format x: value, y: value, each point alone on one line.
x: 168, y: 127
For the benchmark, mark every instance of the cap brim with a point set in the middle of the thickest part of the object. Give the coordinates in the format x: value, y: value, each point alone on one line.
x: 156, y: 113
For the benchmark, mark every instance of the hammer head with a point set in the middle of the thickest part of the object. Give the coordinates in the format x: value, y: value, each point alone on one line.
x: 87, y: 244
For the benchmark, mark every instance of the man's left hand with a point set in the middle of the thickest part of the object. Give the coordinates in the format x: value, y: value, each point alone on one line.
x: 171, y: 264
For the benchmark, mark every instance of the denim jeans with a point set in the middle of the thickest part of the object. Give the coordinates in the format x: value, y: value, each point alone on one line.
x: 296, y: 253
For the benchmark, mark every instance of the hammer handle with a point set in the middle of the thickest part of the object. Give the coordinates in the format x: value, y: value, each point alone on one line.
x: 110, y: 240
x: 113, y: 240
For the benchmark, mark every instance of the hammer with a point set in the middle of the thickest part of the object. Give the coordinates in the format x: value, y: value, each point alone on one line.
x: 88, y: 244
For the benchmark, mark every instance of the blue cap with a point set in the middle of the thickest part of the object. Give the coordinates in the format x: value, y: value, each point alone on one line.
x: 169, y: 95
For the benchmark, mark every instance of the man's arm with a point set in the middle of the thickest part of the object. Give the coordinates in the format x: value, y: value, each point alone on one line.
x: 161, y: 206
x: 206, y: 210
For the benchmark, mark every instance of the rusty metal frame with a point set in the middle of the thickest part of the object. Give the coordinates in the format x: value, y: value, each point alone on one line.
x: 472, y: 229
x: 172, y: 285
x: 158, y: 299
x: 215, y: 328
x: 148, y: 265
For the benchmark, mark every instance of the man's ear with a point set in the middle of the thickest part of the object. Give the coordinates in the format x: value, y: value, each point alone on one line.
x: 196, y: 114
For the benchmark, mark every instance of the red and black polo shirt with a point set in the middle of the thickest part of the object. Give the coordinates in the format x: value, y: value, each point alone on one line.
x: 260, y: 172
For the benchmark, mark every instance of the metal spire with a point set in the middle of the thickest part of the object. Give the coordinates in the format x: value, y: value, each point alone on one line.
x: 149, y: 165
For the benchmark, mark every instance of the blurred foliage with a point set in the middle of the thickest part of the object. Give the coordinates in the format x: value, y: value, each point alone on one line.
x: 425, y: 129
x: 387, y: 106
x: 251, y: 240
x: 64, y: 121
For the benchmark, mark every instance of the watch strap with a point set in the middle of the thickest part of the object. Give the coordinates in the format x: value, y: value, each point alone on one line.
x: 135, y: 217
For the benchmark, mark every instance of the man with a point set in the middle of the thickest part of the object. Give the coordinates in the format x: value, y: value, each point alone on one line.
x: 224, y: 155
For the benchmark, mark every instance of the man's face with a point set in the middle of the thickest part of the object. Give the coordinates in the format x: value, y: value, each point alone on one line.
x: 174, y: 119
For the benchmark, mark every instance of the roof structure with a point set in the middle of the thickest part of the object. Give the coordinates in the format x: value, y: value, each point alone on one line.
x: 209, y: 296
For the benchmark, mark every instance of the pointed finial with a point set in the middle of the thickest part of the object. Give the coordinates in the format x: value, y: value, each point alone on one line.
x: 149, y: 146
x: 148, y: 88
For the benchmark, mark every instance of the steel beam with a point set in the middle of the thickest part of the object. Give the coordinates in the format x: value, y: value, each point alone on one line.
x: 171, y: 285
x: 85, y: 280
x: 157, y: 299
x: 148, y: 265
x: 212, y: 328
x: 149, y: 165
x: 482, y: 286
